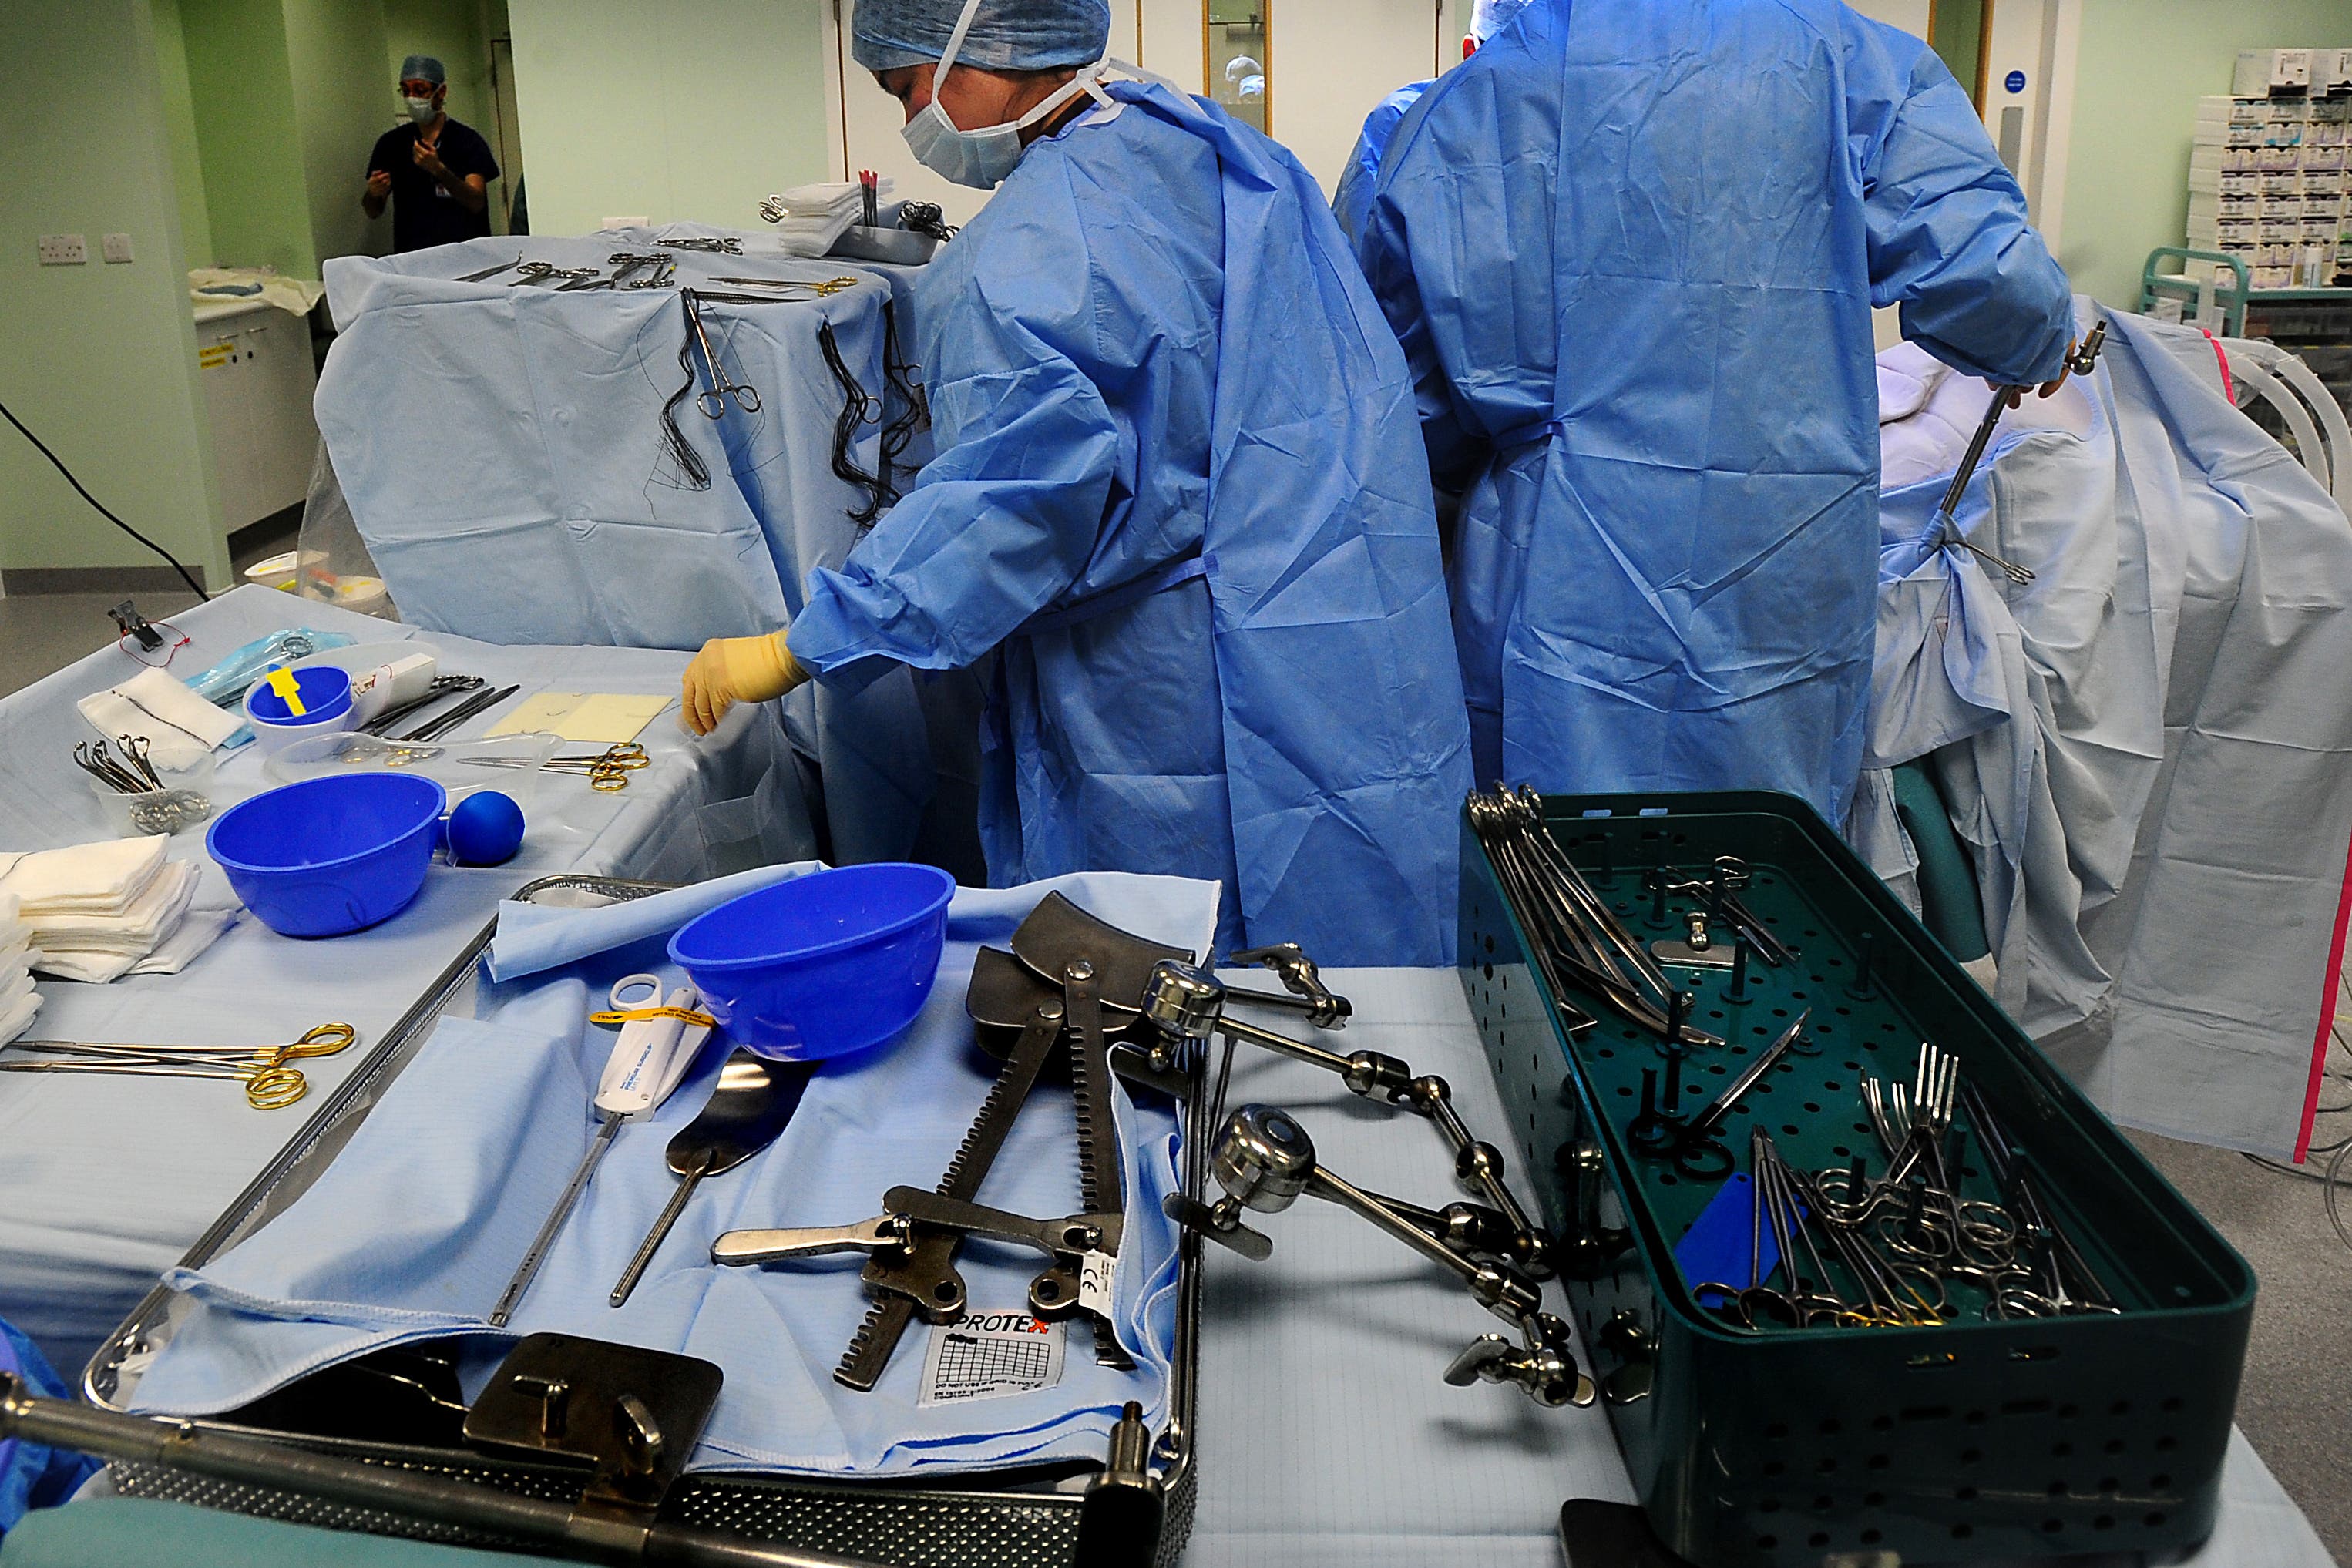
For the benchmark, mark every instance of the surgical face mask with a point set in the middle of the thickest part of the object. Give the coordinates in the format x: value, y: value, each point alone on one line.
x: 983, y: 158
x: 420, y: 110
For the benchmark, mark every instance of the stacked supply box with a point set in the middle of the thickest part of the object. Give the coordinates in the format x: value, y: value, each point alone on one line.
x: 2270, y: 170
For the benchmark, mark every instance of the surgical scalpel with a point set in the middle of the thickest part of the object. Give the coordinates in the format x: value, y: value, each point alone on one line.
x: 659, y: 1039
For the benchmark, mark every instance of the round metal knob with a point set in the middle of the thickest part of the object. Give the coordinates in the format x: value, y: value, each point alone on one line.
x: 1182, y: 999
x: 1264, y: 1158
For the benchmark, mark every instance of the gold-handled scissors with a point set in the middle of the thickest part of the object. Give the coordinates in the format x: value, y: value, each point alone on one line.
x: 270, y: 1081
x: 607, y: 770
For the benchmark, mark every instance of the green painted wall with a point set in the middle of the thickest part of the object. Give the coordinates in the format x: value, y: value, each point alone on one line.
x: 693, y: 110
x: 2143, y: 65
x: 249, y: 140
x: 180, y: 127
x: 344, y: 98
x: 100, y: 360
x: 1956, y: 32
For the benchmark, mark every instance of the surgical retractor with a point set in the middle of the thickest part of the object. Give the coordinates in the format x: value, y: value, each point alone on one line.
x: 1186, y: 1003
x: 1264, y: 1161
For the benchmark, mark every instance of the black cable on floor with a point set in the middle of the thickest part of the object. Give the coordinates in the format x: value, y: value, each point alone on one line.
x: 186, y: 575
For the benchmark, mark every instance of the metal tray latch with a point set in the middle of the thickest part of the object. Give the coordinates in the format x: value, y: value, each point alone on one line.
x: 632, y: 1415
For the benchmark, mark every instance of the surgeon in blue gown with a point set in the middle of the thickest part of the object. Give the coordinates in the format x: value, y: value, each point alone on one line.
x: 1178, y: 494
x: 1632, y: 248
x: 1354, y: 197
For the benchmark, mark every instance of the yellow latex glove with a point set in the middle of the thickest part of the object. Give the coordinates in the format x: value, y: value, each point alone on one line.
x: 732, y: 670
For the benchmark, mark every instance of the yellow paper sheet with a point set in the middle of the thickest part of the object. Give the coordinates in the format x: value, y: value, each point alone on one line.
x: 596, y: 718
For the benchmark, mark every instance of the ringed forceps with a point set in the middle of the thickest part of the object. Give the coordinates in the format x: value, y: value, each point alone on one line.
x: 266, y: 1071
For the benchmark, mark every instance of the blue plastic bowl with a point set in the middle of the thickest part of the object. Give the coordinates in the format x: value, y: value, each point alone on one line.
x: 326, y: 692
x: 328, y: 856
x: 822, y: 965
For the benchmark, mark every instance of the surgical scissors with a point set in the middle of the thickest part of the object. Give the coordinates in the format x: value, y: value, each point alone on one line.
x: 608, y: 770
x: 270, y: 1083
x: 713, y: 402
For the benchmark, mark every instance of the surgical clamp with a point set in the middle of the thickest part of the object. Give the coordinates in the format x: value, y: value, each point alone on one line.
x: 713, y: 402
x: 269, y: 1082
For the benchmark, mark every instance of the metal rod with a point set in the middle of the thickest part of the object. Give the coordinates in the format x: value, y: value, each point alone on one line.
x: 224, y: 1456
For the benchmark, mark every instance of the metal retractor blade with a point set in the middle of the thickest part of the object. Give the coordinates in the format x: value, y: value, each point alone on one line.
x: 925, y: 1279
x: 1101, y: 1187
x: 1057, y: 934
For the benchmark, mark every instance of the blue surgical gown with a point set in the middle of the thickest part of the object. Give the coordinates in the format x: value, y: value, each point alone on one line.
x: 1631, y: 248
x: 1354, y: 197
x: 1178, y: 487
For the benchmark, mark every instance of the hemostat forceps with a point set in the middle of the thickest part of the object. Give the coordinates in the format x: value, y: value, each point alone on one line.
x: 269, y: 1082
x: 713, y: 402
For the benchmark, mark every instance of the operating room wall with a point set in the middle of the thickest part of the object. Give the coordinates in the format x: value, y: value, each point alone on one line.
x: 343, y: 99
x: 100, y: 360
x: 180, y: 130
x: 2143, y: 65
x: 693, y: 110
x: 249, y: 139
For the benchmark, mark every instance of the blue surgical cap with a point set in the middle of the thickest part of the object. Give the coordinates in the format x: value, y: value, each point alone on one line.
x: 1488, y: 17
x: 1006, y: 36
x: 422, y: 67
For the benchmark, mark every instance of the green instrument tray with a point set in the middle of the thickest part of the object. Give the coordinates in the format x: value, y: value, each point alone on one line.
x: 1972, y: 1438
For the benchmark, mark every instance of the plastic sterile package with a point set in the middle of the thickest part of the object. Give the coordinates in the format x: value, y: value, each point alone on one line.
x: 510, y: 764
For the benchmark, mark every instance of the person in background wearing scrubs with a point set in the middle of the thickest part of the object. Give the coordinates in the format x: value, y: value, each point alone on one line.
x: 1631, y: 248
x: 1355, y: 193
x: 435, y: 171
x: 1177, y: 495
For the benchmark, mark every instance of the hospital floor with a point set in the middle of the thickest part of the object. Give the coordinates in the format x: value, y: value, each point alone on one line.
x: 2298, y: 1381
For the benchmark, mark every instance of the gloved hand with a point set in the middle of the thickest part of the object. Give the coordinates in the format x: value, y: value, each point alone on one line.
x: 732, y: 670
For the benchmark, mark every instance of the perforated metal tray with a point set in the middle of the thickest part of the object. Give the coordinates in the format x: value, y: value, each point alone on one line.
x: 1967, y: 1439
x: 1026, y: 1516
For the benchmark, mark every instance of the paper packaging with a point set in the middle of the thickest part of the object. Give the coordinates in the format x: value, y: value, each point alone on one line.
x: 2262, y: 72
x: 179, y: 725
x: 593, y: 718
x: 389, y: 684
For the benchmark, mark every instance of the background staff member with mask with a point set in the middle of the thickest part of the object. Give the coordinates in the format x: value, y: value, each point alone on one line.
x: 1631, y: 248
x: 1177, y: 484
x: 435, y: 170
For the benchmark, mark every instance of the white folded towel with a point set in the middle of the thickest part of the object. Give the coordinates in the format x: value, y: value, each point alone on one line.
x: 198, y: 929
x: 102, y: 878
x: 180, y: 725
x: 135, y: 930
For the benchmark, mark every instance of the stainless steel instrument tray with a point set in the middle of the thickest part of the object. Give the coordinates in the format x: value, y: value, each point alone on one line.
x: 1025, y: 1517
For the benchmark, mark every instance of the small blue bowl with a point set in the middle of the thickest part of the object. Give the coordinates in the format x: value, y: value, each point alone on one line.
x: 328, y: 856
x: 823, y: 965
x: 326, y: 692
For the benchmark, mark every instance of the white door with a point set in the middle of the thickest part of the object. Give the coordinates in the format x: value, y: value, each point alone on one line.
x: 867, y: 120
x: 1333, y: 62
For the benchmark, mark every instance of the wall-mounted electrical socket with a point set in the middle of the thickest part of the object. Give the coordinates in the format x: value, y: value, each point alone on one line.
x: 63, y: 250
x: 115, y: 248
x: 639, y: 221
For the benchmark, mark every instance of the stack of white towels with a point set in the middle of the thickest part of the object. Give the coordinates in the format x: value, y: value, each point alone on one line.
x: 95, y: 912
x: 19, y: 1000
